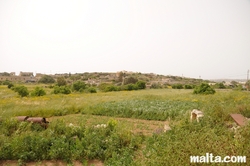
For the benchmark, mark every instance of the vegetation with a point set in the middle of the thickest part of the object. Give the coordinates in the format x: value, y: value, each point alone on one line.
x: 204, y: 88
x: 38, y: 91
x: 79, y: 86
x: 21, y: 90
x: 61, y: 89
x: 46, y: 79
x: 117, y: 144
x: 61, y: 81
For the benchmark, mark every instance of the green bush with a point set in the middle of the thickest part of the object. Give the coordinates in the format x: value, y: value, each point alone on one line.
x: 141, y: 84
x: 91, y: 90
x: 204, y: 88
x: 61, y: 89
x: 220, y: 85
x: 6, y: 82
x: 177, y: 86
x: 38, y: 91
x: 21, y: 90
x: 79, y: 85
x: 10, y: 85
x: 112, y: 88
x: 188, y: 87
x: 61, y: 81
x: 130, y: 87
x: 46, y: 79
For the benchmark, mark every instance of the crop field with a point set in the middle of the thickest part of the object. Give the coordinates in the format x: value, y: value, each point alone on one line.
x: 134, y: 133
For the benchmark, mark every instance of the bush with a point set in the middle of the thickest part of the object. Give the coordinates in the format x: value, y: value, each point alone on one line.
x: 10, y: 85
x: 131, y: 87
x: 141, y: 84
x: 177, y: 86
x: 79, y: 85
x: 38, y: 92
x: 188, y: 87
x: 204, y: 88
x: 61, y: 89
x: 21, y: 90
x: 61, y: 81
x: 130, y: 80
x: 91, y: 90
x: 112, y: 88
x: 220, y: 85
x: 6, y: 82
x: 46, y: 79
x: 155, y: 86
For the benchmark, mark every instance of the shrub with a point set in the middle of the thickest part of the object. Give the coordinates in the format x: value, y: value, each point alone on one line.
x: 204, y: 88
x: 141, y: 84
x: 77, y: 86
x: 220, y: 85
x: 10, y: 85
x: 130, y: 80
x: 155, y: 86
x: 61, y: 81
x: 61, y: 89
x: 112, y: 88
x: 177, y: 86
x: 131, y: 87
x: 46, y: 79
x: 188, y: 87
x: 103, y: 86
x: 91, y: 90
x: 6, y: 82
x: 21, y: 90
x: 38, y: 92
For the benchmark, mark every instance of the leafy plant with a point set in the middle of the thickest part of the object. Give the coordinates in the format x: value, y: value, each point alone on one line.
x: 46, y: 79
x: 61, y: 89
x: 79, y: 85
x: 204, y: 88
x: 91, y: 90
x: 38, y: 91
x: 21, y: 90
x: 61, y: 81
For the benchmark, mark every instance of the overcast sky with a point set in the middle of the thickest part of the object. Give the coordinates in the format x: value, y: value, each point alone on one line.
x: 194, y: 38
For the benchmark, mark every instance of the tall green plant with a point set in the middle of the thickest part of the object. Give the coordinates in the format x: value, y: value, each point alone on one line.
x: 204, y: 88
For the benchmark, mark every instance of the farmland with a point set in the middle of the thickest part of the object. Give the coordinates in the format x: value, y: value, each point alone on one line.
x: 132, y: 118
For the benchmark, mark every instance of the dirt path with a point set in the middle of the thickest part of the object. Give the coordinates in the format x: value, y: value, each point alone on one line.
x: 146, y: 127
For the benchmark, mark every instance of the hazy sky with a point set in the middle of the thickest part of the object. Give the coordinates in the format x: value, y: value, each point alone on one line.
x: 207, y: 38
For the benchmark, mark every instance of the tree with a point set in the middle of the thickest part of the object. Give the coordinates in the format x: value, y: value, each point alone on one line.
x: 46, y: 79
x: 61, y: 81
x: 204, y: 88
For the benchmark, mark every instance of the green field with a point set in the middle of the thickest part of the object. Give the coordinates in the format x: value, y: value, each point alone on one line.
x: 129, y: 138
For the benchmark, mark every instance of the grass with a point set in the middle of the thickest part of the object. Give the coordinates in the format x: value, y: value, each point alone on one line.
x: 137, y: 114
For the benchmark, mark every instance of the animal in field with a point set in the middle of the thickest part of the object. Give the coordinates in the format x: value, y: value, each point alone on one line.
x: 196, y: 115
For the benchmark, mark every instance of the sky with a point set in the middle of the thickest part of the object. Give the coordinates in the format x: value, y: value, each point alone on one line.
x: 208, y: 39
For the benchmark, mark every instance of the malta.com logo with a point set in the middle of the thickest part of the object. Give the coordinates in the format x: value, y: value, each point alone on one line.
x: 210, y: 158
